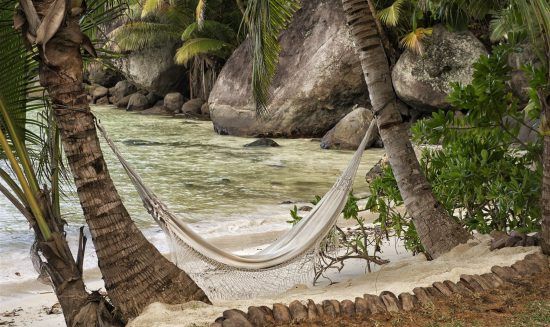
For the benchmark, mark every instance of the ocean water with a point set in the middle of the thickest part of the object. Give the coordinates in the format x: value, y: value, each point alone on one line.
x: 226, y: 188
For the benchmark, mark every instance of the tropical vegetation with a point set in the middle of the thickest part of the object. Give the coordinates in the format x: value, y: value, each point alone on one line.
x: 505, y: 177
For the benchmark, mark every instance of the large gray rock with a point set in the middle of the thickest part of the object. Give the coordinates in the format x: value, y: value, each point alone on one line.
x: 519, y: 82
x: 173, y: 101
x: 424, y: 81
x: 154, y: 69
x: 192, y: 107
x: 319, y: 80
x: 349, y: 131
x: 99, y: 92
x: 137, y: 102
x: 121, y: 90
x: 104, y: 76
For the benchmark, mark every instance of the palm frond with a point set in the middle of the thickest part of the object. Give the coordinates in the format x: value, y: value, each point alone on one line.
x: 391, y: 15
x: 265, y: 21
x: 151, y: 6
x: 210, y: 29
x: 202, y: 46
x: 413, y: 40
x: 140, y: 35
x: 199, y: 13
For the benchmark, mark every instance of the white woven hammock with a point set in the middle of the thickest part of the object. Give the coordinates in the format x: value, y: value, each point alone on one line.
x: 286, y: 262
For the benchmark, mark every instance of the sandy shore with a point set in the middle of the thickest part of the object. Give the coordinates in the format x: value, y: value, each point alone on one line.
x: 402, y: 275
x: 31, y: 299
x: 26, y: 303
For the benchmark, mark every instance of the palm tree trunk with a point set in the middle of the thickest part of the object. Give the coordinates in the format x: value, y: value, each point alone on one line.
x: 545, y: 197
x: 135, y: 272
x: 438, y: 232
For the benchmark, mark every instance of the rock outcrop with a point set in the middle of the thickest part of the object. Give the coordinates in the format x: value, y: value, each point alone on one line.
x: 120, y: 90
x: 319, y: 80
x: 137, y: 102
x: 349, y: 131
x: 154, y: 70
x: 101, y: 75
x: 424, y: 82
x: 192, y: 107
x: 173, y: 101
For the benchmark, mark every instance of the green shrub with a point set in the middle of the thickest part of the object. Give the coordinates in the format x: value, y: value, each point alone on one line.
x: 483, y: 175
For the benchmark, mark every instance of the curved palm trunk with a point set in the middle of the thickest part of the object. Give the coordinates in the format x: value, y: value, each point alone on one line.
x: 545, y: 197
x: 438, y: 232
x: 135, y: 272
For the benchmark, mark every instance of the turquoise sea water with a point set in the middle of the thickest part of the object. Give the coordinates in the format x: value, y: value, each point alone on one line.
x: 226, y: 188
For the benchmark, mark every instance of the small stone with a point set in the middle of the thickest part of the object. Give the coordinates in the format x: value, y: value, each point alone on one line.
x: 336, y: 305
x: 471, y: 283
x: 268, y: 314
x: 305, y: 208
x: 192, y: 107
x: 456, y: 288
x: 492, y: 280
x: 99, y: 92
x: 526, y: 268
x: 281, y: 313
x: 236, y: 322
x: 320, y: 310
x: 256, y: 316
x: 102, y: 101
x: 530, y: 241
x: 313, y: 314
x: 434, y: 293
x: 539, y: 260
x: 422, y: 296
x: 442, y: 288
x: 232, y: 313
x: 263, y: 142
x: 482, y: 282
x: 498, y: 235
x: 374, y: 303
x: 361, y: 308
x: 137, y: 102
x: 512, y: 240
x: 173, y: 101
x: 328, y: 309
x: 348, y: 308
x: 390, y: 302
x: 505, y: 273
x: 408, y: 301
x: 498, y: 244
x: 298, y: 311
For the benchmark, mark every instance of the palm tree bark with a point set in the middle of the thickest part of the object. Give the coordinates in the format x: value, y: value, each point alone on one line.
x: 135, y: 272
x: 437, y: 231
x: 545, y: 197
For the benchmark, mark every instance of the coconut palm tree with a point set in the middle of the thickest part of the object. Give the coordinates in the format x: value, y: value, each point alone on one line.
x: 34, y: 160
x: 135, y: 272
x: 437, y: 231
x: 204, y: 46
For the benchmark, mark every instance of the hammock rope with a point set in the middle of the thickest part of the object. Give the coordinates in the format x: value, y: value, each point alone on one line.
x: 284, y: 263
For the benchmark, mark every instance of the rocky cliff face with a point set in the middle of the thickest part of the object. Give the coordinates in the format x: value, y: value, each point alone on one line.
x: 319, y: 80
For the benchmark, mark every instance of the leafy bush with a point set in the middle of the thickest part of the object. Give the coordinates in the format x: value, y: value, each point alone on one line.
x: 482, y: 173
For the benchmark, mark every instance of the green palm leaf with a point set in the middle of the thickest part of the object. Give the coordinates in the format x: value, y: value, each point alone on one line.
x: 391, y: 15
x: 140, y: 35
x: 210, y: 29
x: 265, y: 21
x: 202, y: 46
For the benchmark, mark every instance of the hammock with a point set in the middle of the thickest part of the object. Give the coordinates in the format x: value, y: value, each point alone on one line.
x: 286, y: 262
